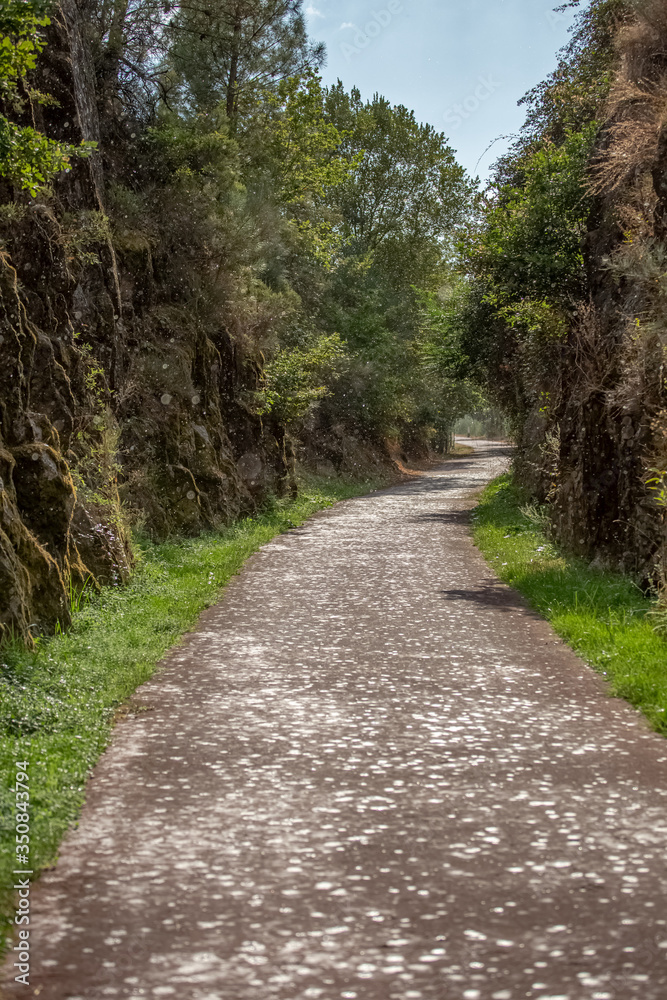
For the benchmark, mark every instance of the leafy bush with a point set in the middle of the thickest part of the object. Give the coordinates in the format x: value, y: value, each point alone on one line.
x: 297, y: 378
x: 27, y: 157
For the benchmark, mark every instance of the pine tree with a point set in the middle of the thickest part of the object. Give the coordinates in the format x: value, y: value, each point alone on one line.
x: 224, y: 52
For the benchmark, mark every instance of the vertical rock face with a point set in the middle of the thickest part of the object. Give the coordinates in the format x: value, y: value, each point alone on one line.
x: 114, y: 401
x: 591, y: 454
x: 601, y: 455
x: 37, y: 558
x: 603, y: 509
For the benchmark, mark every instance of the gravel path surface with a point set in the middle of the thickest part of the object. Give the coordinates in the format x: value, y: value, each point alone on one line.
x: 371, y: 773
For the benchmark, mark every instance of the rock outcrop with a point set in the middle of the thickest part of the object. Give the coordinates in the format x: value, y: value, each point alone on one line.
x: 117, y: 402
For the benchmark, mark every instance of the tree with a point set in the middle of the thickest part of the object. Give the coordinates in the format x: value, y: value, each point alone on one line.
x: 27, y: 158
x: 526, y: 251
x: 399, y: 214
x: 409, y: 196
x: 575, y: 92
x: 228, y: 51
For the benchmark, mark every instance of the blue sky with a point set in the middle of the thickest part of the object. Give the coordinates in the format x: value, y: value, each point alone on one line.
x: 461, y: 66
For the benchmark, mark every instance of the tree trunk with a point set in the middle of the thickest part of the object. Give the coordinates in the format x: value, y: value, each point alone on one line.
x: 85, y: 97
x: 233, y: 82
x: 115, y: 43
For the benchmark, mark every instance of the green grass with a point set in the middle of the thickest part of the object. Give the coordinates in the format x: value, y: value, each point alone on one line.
x: 602, y: 615
x: 57, y: 704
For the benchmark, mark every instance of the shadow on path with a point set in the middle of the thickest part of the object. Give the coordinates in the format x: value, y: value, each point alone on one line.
x: 370, y: 773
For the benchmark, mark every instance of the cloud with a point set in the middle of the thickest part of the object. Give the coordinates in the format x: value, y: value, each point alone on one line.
x: 312, y: 11
x: 346, y: 24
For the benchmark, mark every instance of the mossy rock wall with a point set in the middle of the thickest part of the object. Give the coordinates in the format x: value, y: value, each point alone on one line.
x: 117, y: 404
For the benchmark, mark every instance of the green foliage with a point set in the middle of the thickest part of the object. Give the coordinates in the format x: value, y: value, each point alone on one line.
x: 27, y: 157
x: 398, y: 214
x: 228, y: 52
x: 574, y: 94
x: 402, y: 382
x: 271, y: 195
x: 184, y: 146
x: 532, y: 238
x: 259, y: 184
x: 603, y: 616
x: 448, y: 393
x: 300, y: 146
x: 438, y: 344
x: 525, y: 251
x: 84, y: 235
x: 20, y: 40
x: 657, y: 484
x: 297, y: 378
x: 264, y: 206
x: 408, y: 197
x: 293, y: 155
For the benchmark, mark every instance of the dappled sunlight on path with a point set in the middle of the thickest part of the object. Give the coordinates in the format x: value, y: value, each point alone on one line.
x: 372, y: 773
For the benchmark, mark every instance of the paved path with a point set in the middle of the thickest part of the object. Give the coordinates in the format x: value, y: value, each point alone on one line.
x: 372, y: 773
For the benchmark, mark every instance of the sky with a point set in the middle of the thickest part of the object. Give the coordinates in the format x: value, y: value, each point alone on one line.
x: 460, y: 66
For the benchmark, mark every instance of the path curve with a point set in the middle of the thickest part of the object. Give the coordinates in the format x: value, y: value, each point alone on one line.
x: 370, y: 773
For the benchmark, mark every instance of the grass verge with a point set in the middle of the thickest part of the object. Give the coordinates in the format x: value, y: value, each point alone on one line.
x: 57, y: 703
x: 602, y: 615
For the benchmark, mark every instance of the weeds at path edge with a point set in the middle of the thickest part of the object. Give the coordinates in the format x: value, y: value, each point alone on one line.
x: 603, y: 616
